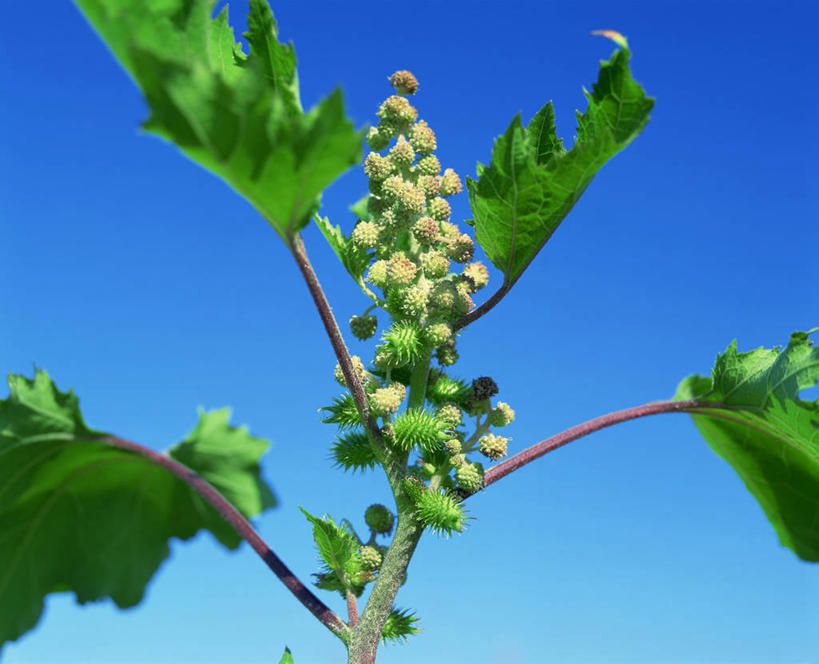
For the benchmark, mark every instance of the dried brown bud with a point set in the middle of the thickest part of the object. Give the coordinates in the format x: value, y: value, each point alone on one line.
x: 404, y: 82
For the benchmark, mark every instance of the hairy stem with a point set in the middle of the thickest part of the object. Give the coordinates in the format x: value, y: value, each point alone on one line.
x: 352, y: 609
x: 318, y: 608
x: 545, y: 446
x: 336, y: 340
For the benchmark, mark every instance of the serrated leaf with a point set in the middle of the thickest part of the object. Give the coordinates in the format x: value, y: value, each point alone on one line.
x: 237, y: 115
x: 78, y: 514
x: 360, y: 208
x: 336, y: 544
x: 354, y: 260
x: 532, y: 182
x: 399, y: 625
x: 768, y: 434
x: 353, y: 452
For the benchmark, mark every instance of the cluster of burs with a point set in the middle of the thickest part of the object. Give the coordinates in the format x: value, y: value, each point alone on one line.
x: 422, y: 264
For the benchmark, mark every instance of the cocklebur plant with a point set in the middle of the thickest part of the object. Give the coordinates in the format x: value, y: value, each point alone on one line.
x: 403, y: 409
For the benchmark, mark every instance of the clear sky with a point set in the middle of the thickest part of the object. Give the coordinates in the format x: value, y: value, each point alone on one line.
x: 148, y: 286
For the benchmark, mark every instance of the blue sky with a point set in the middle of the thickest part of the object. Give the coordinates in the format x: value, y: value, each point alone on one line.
x: 151, y: 288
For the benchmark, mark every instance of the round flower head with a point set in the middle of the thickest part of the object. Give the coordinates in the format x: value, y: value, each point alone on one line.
x: 452, y: 446
x: 414, y: 302
x: 446, y: 356
x: 386, y: 400
x: 388, y: 222
x: 457, y: 460
x: 463, y: 304
x: 377, y: 167
x: 462, y: 249
x: 501, y: 415
x: 429, y: 165
x: 484, y: 388
x: 401, y: 271
x: 378, y: 273
x: 450, y: 415
x: 439, y: 209
x: 379, y: 519
x: 402, y: 153
x: 377, y: 139
x: 443, y: 296
x: 365, y: 235
x: 492, y: 446
x: 363, y: 327
x: 425, y: 230
x: 397, y: 111
x: 358, y: 367
x: 469, y: 477
x: 370, y: 558
x: 450, y: 183
x: 429, y: 185
x: 438, y: 334
x: 411, y: 199
x: 404, y: 82
x: 422, y: 138
x: 477, y: 274
x: 393, y: 186
x: 435, y: 264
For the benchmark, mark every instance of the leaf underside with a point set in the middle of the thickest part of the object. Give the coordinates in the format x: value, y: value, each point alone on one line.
x: 78, y: 514
x: 532, y: 182
x: 238, y: 115
x: 768, y: 434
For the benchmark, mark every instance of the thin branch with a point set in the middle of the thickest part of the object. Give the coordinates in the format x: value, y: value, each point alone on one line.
x: 318, y: 608
x: 352, y: 609
x: 336, y: 340
x: 475, y: 314
x: 545, y: 446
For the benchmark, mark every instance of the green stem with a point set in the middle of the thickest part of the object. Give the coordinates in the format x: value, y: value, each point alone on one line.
x: 418, y: 383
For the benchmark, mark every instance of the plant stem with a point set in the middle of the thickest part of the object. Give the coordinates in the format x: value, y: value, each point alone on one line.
x: 418, y: 383
x: 336, y: 340
x: 352, y: 609
x: 475, y: 314
x: 537, y: 450
x: 318, y: 608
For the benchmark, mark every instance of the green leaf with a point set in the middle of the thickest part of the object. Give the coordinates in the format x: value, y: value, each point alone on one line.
x: 336, y: 544
x: 400, y: 624
x: 237, y: 115
x: 532, y: 182
x: 287, y: 657
x: 768, y: 435
x: 354, y: 259
x: 78, y: 514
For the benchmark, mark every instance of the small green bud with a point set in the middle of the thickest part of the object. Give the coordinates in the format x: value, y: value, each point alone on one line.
x: 469, y: 477
x: 411, y: 199
x: 462, y: 249
x: 379, y: 519
x: 429, y: 165
x: 392, y: 187
x: 386, y: 400
x: 378, y: 273
x: 437, y: 334
x: 402, y: 153
x: 387, y: 129
x: 422, y: 138
x: 457, y: 460
x: 414, y: 301
x: 401, y: 271
x: 388, y: 221
x: 363, y: 327
x: 463, y: 304
x: 370, y: 557
x: 446, y: 356
x: 450, y: 183
x: 425, y: 230
x: 429, y: 185
x: 493, y: 446
x: 365, y: 235
x: 442, y: 298
x: 477, y: 274
x: 358, y: 367
x: 377, y: 167
x: 484, y: 388
x: 397, y: 110
x: 453, y: 447
x: 439, y: 209
x: 450, y: 415
x: 404, y: 82
x: 435, y: 264
x: 377, y: 139
x: 501, y: 415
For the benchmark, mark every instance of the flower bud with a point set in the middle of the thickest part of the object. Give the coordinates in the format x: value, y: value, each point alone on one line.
x: 437, y: 334
x: 414, y: 302
x: 363, y: 327
x: 493, y: 446
x: 425, y: 230
x: 450, y: 183
x: 378, y: 273
x: 450, y: 415
x: 386, y: 400
x: 365, y: 235
x: 377, y: 139
x: 392, y: 187
x: 457, y: 460
x: 401, y: 271
x: 411, y: 199
x: 452, y: 447
x: 402, y: 153
x: 429, y: 165
x: 446, y: 356
x: 477, y: 274
x: 370, y: 558
x: 379, y: 519
x: 358, y: 367
x: 378, y: 167
x: 422, y: 138
x: 404, y: 82
x: 484, y: 388
x: 469, y: 477
x: 429, y: 185
x: 501, y: 415
x: 439, y: 209
x: 398, y: 111
x: 442, y: 298
x: 462, y: 249
x: 449, y: 232
x: 388, y: 222
x: 435, y: 264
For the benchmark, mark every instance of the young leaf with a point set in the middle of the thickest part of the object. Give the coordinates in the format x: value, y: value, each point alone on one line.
x: 237, y: 115
x: 354, y: 260
x: 79, y: 514
x: 767, y: 433
x: 399, y: 626
x: 336, y: 544
x: 532, y: 183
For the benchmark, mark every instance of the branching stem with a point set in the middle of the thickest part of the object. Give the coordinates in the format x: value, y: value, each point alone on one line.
x: 241, y: 525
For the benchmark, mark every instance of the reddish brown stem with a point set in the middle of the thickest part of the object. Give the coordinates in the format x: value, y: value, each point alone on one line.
x: 475, y: 314
x: 318, y: 608
x: 545, y: 446
x: 352, y: 609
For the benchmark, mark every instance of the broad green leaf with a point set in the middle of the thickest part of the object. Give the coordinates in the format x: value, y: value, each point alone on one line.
x: 400, y: 624
x: 336, y: 544
x: 532, y: 182
x: 237, y: 115
x: 354, y: 260
x: 78, y: 514
x: 768, y: 434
